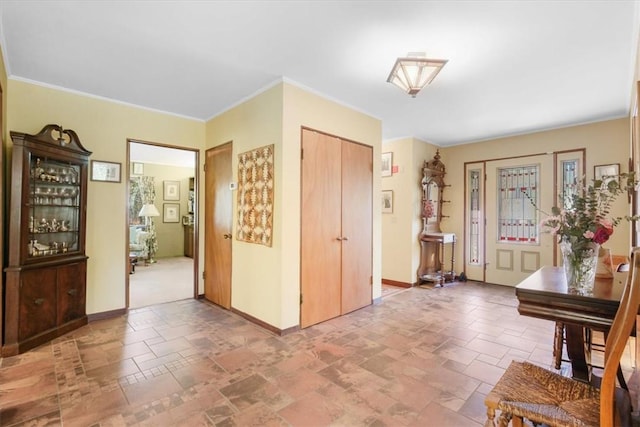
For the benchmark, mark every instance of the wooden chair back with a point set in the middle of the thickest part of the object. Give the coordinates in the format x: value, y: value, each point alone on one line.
x: 619, y: 334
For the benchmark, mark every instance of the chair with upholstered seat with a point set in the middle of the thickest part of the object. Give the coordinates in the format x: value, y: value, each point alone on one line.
x: 541, y: 396
x: 138, y: 244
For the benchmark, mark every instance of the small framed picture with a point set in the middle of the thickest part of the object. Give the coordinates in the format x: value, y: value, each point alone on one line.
x: 171, y: 212
x: 105, y: 171
x: 171, y: 190
x: 137, y: 169
x: 387, y: 164
x: 387, y: 201
x: 606, y: 172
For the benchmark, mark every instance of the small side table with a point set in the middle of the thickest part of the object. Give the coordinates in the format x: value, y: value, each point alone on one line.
x: 432, y: 247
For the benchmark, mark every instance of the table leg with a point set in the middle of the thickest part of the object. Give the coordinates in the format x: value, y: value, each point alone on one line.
x: 577, y: 352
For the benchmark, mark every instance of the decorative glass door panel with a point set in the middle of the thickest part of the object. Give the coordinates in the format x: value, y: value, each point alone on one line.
x: 514, y: 246
x: 517, y: 191
x: 569, y: 182
x: 570, y: 169
x: 474, y: 217
x: 474, y: 221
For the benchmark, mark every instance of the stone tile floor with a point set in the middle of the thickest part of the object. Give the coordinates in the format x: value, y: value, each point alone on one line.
x: 420, y: 357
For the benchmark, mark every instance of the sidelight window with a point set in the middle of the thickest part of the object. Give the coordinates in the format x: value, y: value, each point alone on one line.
x: 569, y: 185
x: 475, y: 217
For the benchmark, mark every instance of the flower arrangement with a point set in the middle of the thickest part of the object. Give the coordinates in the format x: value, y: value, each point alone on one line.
x: 586, y: 223
x: 587, y: 215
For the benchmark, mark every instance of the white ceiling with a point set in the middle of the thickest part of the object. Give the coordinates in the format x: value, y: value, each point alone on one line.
x: 148, y: 153
x: 514, y: 66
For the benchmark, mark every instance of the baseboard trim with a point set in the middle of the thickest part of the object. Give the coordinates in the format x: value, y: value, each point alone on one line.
x: 396, y: 283
x: 265, y: 325
x: 107, y: 314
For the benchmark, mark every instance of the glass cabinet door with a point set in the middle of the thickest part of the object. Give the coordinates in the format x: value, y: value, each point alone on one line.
x: 54, y: 207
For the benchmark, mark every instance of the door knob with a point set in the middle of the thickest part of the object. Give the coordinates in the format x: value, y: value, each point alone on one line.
x: 226, y: 236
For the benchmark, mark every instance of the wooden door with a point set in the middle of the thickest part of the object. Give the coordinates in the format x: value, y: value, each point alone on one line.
x: 357, y: 210
x: 515, y: 246
x: 320, y: 248
x: 218, y: 225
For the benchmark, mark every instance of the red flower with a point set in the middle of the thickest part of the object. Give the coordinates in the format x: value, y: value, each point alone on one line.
x: 602, y: 235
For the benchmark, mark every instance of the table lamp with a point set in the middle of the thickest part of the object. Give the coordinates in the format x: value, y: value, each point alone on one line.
x: 148, y: 211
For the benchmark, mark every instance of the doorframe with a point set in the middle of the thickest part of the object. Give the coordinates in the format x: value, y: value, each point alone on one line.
x: 484, y: 162
x: 196, y: 204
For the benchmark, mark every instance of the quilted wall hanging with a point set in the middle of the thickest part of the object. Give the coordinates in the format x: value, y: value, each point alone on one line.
x: 255, y: 195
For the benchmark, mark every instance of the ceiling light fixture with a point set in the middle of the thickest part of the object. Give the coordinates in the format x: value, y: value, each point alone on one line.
x: 414, y: 72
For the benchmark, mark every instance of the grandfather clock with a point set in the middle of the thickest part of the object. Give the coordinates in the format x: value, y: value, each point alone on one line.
x: 432, y: 239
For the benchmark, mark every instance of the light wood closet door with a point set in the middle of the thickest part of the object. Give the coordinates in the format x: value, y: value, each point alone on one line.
x: 320, y: 250
x: 336, y: 254
x: 357, y: 202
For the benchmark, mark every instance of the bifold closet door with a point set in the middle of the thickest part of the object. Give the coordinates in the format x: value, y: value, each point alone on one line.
x: 320, y: 250
x: 357, y: 202
x: 336, y: 227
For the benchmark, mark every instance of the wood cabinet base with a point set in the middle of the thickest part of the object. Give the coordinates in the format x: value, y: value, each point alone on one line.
x: 12, y: 349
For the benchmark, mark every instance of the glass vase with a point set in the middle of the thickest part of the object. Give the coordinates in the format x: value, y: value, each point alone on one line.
x: 579, y: 260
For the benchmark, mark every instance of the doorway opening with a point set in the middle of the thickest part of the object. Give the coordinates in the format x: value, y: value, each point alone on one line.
x: 162, y: 223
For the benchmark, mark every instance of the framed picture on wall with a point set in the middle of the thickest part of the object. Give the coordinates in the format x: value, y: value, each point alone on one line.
x: 171, y: 212
x: 171, y: 190
x: 105, y: 171
x: 137, y: 169
x: 606, y: 172
x: 387, y: 164
x: 387, y: 201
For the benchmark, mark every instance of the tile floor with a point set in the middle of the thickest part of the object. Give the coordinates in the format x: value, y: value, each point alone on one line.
x: 420, y: 357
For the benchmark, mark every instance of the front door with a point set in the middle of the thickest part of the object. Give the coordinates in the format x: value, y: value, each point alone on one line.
x: 518, y: 191
x: 218, y: 225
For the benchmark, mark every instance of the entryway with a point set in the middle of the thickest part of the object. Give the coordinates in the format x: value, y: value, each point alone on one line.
x: 161, y: 223
x: 505, y: 201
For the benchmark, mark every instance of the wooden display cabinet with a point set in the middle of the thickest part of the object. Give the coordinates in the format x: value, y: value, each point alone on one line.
x: 45, y: 287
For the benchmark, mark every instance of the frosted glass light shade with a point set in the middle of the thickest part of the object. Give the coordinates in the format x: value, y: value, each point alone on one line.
x: 414, y: 72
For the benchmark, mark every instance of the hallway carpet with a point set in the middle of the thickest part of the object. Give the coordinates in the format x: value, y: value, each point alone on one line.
x: 168, y: 279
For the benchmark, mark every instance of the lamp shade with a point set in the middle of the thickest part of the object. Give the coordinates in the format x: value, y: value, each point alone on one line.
x: 414, y: 72
x: 149, y: 210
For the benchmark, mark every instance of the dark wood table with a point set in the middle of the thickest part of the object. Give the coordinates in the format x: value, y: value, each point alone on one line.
x: 544, y: 294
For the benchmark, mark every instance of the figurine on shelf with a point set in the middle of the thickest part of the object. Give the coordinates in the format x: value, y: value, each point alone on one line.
x: 38, y: 170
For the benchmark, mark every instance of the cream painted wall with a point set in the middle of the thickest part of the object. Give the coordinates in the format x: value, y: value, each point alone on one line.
x: 303, y: 108
x: 103, y: 127
x: 605, y: 142
x: 266, y: 281
x: 402, y: 228
x: 256, y: 269
x: 3, y: 83
x: 170, y: 235
x: 397, y: 227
